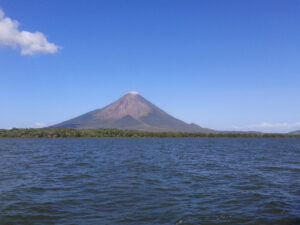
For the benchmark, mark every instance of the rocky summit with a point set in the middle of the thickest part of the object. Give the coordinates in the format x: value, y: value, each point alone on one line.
x: 131, y: 112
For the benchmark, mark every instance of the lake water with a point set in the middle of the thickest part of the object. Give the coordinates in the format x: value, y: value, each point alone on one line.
x: 150, y: 181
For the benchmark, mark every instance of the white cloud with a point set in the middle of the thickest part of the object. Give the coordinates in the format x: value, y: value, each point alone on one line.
x: 270, y: 127
x: 29, y: 43
x: 40, y: 124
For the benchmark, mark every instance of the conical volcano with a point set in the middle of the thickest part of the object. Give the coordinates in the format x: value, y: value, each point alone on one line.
x: 131, y: 112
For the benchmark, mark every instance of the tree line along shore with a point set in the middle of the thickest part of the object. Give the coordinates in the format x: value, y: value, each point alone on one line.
x: 102, y: 133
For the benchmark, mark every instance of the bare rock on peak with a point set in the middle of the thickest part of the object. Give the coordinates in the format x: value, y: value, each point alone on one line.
x: 131, y: 112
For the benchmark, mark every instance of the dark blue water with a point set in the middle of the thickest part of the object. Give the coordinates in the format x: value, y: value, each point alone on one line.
x: 150, y: 181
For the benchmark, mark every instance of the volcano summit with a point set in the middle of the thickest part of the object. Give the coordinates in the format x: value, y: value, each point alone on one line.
x: 131, y: 112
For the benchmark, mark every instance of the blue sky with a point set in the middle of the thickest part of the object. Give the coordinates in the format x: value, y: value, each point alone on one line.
x: 222, y: 64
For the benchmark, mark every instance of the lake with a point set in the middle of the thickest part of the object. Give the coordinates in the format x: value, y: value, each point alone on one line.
x: 150, y: 181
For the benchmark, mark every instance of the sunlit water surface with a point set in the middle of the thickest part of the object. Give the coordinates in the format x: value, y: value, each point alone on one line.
x: 150, y: 181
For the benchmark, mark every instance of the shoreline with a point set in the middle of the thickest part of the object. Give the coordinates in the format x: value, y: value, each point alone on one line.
x: 116, y: 133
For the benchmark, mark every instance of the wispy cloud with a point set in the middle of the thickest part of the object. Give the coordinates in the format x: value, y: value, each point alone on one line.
x: 29, y: 43
x: 270, y: 127
x: 40, y: 124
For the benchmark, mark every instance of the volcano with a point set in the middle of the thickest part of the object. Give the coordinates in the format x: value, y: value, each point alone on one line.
x: 131, y: 112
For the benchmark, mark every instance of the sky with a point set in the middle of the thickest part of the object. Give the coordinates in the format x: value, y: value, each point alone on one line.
x: 227, y: 65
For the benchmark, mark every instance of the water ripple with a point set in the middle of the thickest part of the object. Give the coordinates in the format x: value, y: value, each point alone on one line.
x: 150, y: 181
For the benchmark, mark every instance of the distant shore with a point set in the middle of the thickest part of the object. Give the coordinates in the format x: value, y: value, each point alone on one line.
x: 103, y: 133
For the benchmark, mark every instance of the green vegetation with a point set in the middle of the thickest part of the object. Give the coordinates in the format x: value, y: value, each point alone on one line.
x: 74, y: 133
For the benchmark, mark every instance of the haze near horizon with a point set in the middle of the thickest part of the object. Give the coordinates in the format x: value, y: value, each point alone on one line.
x: 224, y: 65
